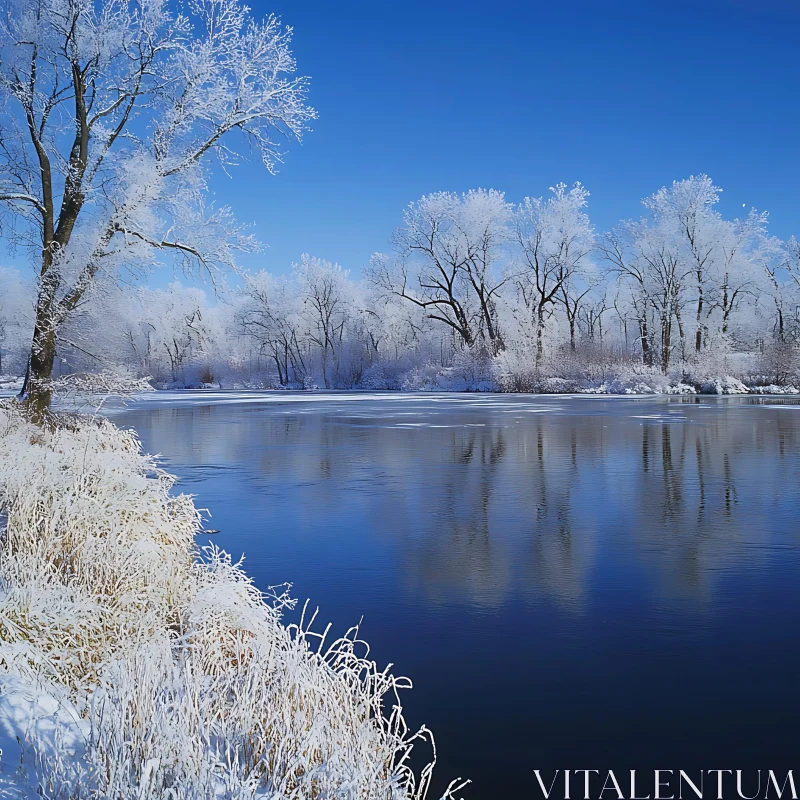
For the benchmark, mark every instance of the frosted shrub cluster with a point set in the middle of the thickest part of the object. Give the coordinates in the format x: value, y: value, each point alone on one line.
x: 182, y: 677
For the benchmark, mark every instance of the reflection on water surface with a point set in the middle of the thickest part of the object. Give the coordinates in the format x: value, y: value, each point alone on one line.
x: 570, y: 582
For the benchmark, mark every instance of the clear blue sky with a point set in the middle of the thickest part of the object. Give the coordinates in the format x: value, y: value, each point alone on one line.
x: 624, y: 96
x: 417, y: 96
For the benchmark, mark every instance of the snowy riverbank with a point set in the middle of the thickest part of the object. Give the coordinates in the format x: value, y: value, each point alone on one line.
x: 724, y: 385
x: 134, y: 666
x: 640, y: 381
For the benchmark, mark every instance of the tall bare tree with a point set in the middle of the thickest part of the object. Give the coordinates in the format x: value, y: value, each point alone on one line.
x: 110, y: 113
x: 449, y: 246
x: 554, y: 238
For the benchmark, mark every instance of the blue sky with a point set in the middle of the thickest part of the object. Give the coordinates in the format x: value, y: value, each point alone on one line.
x: 624, y: 96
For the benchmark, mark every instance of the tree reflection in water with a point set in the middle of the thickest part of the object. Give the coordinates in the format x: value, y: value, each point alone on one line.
x: 531, y: 562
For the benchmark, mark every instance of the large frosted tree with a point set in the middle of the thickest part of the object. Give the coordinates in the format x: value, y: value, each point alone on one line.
x: 111, y: 114
x: 685, y: 271
x: 554, y: 236
x: 449, y: 246
x: 721, y: 260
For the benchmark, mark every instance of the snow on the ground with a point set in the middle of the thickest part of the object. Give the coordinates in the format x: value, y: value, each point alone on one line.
x: 32, y: 712
x: 773, y: 389
x: 726, y: 385
x: 133, y: 666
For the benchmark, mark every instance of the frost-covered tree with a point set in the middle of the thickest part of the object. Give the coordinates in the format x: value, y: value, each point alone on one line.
x: 174, y: 324
x: 780, y: 291
x: 271, y: 316
x: 594, y: 309
x: 632, y: 302
x: 791, y: 286
x: 397, y: 330
x: 685, y: 271
x: 555, y: 237
x: 690, y: 231
x: 647, y: 260
x: 326, y: 297
x: 722, y: 260
x: 315, y: 325
x: 111, y: 112
x: 449, y: 246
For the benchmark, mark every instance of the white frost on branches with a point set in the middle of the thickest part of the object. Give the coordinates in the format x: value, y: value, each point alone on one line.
x: 478, y: 293
x: 110, y: 115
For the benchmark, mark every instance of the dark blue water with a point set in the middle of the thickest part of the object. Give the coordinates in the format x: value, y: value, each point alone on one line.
x: 603, y: 583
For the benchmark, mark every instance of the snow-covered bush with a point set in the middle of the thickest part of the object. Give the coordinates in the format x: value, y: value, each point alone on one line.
x: 422, y: 378
x: 389, y: 375
x: 470, y: 370
x: 571, y: 373
x: 186, y: 681
x: 725, y: 385
x: 778, y: 364
x: 773, y: 389
x: 513, y: 372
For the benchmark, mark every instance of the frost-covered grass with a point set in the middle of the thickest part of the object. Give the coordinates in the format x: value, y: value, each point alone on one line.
x: 133, y: 665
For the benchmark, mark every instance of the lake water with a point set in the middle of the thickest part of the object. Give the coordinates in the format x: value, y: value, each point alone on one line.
x: 570, y: 582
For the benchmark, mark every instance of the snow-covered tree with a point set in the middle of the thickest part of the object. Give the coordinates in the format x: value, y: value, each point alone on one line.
x: 685, y: 271
x: 722, y: 260
x: 449, y: 246
x: 555, y: 237
x: 651, y: 267
x: 789, y: 288
x: 326, y: 296
x: 174, y: 325
x: 271, y: 316
x: 111, y: 112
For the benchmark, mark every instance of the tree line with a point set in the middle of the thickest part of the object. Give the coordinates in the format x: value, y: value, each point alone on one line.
x: 112, y: 115
x: 477, y: 290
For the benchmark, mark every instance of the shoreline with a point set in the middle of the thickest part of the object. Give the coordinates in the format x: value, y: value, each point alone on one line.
x: 132, y: 661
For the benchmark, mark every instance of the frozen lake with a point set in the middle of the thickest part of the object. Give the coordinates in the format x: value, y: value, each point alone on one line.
x: 570, y: 582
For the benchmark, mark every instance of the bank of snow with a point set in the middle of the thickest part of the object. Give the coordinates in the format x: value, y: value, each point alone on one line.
x: 134, y: 666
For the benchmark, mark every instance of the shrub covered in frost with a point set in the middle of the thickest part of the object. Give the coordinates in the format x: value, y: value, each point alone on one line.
x: 570, y: 373
x: 773, y: 389
x: 186, y: 681
x: 724, y: 385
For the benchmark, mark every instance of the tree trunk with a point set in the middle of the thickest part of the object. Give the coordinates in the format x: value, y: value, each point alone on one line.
x: 36, y: 393
x: 726, y: 310
x: 278, y: 364
x: 681, y: 332
x: 325, y: 368
x: 647, y: 352
x: 666, y: 342
x: 539, y: 335
x: 698, y: 338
